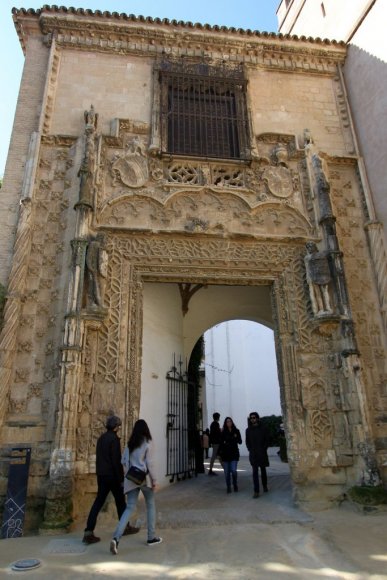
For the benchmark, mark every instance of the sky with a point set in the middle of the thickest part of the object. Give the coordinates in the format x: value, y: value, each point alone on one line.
x: 254, y: 14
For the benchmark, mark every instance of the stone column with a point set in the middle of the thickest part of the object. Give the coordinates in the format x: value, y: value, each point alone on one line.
x: 58, y: 509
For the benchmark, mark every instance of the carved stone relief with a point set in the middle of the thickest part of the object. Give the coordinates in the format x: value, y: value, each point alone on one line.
x: 142, y: 192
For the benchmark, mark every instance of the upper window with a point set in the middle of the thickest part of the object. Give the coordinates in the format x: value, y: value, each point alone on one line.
x: 203, y: 112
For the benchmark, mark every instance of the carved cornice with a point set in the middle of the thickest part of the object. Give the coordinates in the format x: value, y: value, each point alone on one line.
x: 123, y: 34
x: 230, y: 257
x: 59, y: 140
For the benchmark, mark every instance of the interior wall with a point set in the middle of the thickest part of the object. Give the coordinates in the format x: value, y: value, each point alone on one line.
x: 162, y: 336
x: 215, y: 304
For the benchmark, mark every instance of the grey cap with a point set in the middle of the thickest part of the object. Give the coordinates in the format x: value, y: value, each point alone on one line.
x: 113, y: 422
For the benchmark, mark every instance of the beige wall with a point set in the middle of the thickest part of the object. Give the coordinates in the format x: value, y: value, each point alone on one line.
x: 27, y: 120
x: 117, y: 86
x: 286, y: 103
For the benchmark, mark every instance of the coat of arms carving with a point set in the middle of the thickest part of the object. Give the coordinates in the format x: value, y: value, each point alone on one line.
x: 131, y: 169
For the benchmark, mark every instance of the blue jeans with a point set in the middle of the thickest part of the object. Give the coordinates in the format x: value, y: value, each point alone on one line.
x: 230, y: 469
x: 131, y: 502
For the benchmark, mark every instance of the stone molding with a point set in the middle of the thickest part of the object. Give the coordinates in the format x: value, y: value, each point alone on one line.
x: 122, y: 34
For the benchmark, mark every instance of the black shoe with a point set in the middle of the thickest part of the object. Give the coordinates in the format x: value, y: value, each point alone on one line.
x: 212, y: 473
x: 154, y: 541
x: 90, y: 538
x: 114, y: 547
x: 229, y: 490
x: 256, y: 494
x: 129, y: 530
x: 236, y: 488
x: 265, y: 489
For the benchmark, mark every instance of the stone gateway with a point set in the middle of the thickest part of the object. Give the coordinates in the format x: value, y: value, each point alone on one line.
x: 148, y: 157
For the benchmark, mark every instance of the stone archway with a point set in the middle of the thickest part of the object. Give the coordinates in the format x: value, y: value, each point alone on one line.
x: 318, y: 395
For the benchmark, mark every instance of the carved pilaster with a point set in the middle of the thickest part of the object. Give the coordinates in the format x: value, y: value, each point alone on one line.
x: 16, y: 287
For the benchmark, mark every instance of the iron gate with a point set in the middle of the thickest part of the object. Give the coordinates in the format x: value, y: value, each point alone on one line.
x: 181, y: 424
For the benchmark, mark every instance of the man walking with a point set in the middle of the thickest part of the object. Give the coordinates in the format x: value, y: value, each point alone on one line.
x: 257, y: 442
x: 215, y: 439
x: 110, y: 477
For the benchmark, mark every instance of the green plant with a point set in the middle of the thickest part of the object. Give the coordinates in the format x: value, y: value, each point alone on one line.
x: 367, y: 495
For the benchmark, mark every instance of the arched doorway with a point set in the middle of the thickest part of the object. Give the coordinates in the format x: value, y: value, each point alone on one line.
x: 241, y: 373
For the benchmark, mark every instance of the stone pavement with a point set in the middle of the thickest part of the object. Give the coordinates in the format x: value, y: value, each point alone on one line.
x: 208, y: 534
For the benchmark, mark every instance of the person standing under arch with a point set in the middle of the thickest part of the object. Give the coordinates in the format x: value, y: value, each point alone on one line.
x: 229, y: 452
x: 257, y: 443
x: 215, y: 438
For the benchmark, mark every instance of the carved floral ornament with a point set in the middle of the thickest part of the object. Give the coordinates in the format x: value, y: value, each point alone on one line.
x: 147, y: 192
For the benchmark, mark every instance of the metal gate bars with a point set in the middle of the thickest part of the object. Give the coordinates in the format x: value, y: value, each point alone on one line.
x: 181, y: 426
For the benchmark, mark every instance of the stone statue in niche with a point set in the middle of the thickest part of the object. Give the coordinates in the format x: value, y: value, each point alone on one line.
x: 91, y: 119
x: 96, y: 272
x: 86, y: 170
x: 318, y: 277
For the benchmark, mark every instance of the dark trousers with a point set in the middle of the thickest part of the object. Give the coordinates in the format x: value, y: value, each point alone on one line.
x: 256, y: 477
x: 106, y: 483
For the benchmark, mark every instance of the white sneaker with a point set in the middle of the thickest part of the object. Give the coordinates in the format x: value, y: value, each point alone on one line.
x: 114, y: 546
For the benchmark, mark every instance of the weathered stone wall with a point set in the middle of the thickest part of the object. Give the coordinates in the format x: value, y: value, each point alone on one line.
x: 72, y: 338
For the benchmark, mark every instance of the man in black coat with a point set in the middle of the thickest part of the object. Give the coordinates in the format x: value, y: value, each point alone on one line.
x: 215, y: 439
x: 110, y: 477
x: 257, y: 442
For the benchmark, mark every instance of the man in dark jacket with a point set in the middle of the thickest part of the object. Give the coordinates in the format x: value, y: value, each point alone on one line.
x: 215, y: 438
x: 110, y: 477
x: 257, y: 442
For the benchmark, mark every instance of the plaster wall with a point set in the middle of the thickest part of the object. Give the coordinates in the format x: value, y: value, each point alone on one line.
x: 215, y: 304
x: 365, y: 74
x: 162, y: 337
x: 325, y: 19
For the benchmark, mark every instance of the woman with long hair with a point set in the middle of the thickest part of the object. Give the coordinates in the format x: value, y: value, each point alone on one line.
x: 229, y: 452
x: 139, y: 454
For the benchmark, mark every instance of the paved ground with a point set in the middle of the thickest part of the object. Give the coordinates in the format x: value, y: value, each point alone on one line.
x: 208, y: 534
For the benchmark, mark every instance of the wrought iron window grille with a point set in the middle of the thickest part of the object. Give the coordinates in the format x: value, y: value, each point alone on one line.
x: 203, y: 111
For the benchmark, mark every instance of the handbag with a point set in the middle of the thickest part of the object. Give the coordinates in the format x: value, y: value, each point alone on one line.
x: 136, y: 475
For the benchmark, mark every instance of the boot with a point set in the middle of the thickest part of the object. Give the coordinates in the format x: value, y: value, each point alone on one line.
x: 229, y: 489
x: 90, y: 538
x: 129, y: 530
x: 235, y: 481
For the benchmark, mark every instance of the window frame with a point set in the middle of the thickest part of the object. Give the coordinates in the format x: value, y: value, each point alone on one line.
x: 215, y: 90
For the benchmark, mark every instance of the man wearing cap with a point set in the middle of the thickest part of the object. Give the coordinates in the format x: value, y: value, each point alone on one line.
x: 110, y: 477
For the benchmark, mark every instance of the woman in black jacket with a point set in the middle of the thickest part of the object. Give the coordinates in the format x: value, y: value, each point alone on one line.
x: 229, y: 452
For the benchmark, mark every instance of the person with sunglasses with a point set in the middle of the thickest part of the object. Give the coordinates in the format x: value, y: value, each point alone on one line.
x: 257, y: 442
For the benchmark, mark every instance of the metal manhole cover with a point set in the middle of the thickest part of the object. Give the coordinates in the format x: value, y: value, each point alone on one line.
x: 27, y: 564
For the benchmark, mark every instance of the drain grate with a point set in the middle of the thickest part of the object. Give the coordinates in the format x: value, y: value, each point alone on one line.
x: 65, y: 547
